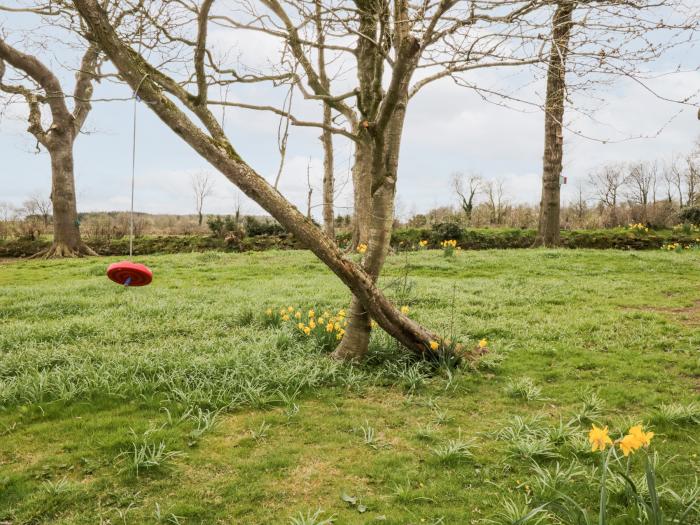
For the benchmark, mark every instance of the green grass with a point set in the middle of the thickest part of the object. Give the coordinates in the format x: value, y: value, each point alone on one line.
x: 173, y: 404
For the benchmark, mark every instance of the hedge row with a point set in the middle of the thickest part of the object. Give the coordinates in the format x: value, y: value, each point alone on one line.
x: 489, y: 238
x: 402, y: 239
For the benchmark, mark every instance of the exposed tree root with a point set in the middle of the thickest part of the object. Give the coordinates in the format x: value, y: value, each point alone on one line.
x: 61, y: 250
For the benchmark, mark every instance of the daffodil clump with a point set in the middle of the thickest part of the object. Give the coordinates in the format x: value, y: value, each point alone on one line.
x: 325, y: 328
x: 361, y: 248
x: 635, y: 439
x: 454, y: 352
x: 638, y: 228
x: 422, y: 243
x: 678, y: 247
x: 449, y: 247
x: 686, y: 228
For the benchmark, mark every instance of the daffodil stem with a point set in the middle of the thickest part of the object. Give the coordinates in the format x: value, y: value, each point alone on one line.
x: 603, y: 489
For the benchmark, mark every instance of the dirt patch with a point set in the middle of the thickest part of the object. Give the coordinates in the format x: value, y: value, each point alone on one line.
x: 687, y: 315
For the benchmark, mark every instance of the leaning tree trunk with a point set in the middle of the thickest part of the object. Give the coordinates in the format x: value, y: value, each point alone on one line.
x: 550, y: 204
x: 218, y: 151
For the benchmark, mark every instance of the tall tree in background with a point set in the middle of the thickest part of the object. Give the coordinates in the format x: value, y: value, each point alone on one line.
x: 41, y: 88
x: 550, y: 203
x: 596, y: 43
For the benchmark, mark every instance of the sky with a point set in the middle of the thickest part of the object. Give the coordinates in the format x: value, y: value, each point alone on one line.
x: 448, y: 129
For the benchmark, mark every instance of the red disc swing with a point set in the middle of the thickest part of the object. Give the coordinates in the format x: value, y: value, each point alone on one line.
x: 129, y: 273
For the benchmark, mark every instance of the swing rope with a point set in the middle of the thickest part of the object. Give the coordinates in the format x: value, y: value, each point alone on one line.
x: 133, y: 167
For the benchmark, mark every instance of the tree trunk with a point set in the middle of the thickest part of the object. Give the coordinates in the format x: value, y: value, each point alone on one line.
x: 362, y: 191
x: 328, y: 181
x: 550, y: 204
x: 66, y: 227
x: 216, y: 149
x: 355, y: 342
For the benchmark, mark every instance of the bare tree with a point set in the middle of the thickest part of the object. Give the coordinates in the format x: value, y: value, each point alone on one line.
x: 7, y: 211
x: 202, y: 187
x: 496, y: 200
x: 692, y: 175
x: 607, y: 182
x: 641, y: 183
x: 310, y: 190
x: 39, y: 205
x: 237, y: 208
x: 548, y: 227
x: 326, y: 133
x: 466, y: 190
x: 386, y: 43
x: 597, y: 42
x: 581, y: 204
x: 40, y: 88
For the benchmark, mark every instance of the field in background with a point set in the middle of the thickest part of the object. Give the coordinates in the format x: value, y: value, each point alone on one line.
x: 176, y: 403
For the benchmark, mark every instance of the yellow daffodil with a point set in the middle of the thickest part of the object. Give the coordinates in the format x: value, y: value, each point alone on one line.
x: 329, y: 327
x: 297, y: 315
x: 483, y: 343
x: 290, y: 308
x: 312, y: 324
x: 373, y: 323
x: 643, y: 437
x: 423, y: 243
x: 321, y: 321
x: 628, y: 444
x: 312, y: 313
x: 307, y: 330
x: 434, y: 345
x: 283, y: 311
x: 341, y: 313
x: 598, y: 438
x: 285, y: 317
x: 361, y: 248
x: 300, y: 326
x: 405, y: 310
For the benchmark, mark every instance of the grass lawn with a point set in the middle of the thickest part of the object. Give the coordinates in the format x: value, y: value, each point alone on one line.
x: 177, y: 403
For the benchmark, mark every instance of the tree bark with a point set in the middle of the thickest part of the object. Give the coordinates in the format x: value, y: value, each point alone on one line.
x: 550, y: 203
x: 362, y: 190
x: 66, y: 230
x: 215, y: 148
x: 328, y: 178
